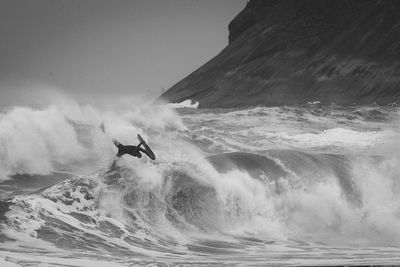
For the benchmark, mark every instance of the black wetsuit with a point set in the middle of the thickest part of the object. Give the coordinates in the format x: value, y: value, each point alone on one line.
x: 131, y: 150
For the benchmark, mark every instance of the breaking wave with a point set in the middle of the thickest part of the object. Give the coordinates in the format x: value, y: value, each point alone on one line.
x: 189, y: 202
x: 41, y: 141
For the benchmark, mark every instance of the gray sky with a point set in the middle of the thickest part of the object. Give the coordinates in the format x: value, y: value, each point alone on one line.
x: 107, y: 47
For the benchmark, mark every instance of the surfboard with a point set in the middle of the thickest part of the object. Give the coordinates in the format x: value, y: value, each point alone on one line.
x: 147, y: 148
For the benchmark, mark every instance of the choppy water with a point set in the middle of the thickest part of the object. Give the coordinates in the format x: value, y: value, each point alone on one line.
x: 283, y: 186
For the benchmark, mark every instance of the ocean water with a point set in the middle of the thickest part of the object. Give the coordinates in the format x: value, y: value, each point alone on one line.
x: 278, y: 186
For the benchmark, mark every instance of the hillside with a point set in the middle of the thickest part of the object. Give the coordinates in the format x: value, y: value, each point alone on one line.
x: 290, y: 52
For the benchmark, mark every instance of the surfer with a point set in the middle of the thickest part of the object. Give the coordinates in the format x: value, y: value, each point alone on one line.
x: 135, y: 151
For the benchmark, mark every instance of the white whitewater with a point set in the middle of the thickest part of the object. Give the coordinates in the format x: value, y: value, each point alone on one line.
x: 279, y: 186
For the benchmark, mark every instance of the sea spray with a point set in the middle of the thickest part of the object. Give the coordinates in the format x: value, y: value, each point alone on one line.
x: 37, y: 141
x: 195, y: 205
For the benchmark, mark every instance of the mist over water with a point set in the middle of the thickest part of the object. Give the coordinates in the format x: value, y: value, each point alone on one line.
x: 229, y: 186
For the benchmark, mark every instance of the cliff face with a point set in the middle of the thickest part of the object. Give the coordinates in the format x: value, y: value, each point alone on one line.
x: 289, y: 52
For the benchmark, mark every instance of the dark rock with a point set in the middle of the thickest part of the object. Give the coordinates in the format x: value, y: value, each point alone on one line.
x: 290, y: 52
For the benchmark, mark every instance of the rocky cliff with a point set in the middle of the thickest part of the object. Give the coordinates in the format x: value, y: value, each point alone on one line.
x: 290, y: 52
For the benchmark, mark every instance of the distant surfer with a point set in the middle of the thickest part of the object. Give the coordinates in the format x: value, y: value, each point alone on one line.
x: 135, y: 151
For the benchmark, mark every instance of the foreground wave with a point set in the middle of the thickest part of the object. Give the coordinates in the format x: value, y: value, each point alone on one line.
x: 187, y: 207
x: 281, y: 197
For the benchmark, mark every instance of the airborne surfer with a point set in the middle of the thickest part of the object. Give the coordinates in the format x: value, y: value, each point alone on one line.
x: 134, y: 151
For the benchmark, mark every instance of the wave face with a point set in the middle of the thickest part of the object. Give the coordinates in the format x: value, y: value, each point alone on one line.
x: 307, y: 185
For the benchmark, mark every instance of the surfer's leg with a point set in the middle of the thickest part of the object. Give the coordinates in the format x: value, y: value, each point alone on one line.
x: 137, y: 151
x: 144, y: 151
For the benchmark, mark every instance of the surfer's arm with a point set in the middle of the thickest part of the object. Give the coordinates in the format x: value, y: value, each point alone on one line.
x: 138, y: 147
x: 121, y: 148
x: 116, y: 143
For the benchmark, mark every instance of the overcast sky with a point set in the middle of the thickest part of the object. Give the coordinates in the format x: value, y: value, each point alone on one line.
x: 107, y: 47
